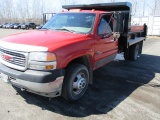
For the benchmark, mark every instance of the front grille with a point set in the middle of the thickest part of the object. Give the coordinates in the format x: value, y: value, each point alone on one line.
x: 15, y: 58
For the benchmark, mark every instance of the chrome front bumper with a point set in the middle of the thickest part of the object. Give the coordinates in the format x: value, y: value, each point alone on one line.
x: 45, y: 83
x: 51, y: 89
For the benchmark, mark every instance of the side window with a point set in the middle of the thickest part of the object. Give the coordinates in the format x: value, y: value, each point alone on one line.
x: 104, y: 26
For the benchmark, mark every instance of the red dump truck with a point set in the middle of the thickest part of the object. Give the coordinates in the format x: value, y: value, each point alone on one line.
x: 59, y: 59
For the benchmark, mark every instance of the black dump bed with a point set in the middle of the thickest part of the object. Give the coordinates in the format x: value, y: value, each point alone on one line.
x: 118, y: 6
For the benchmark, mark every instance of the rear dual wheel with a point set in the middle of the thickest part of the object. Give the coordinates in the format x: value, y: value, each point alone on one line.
x: 75, y: 82
x: 132, y: 53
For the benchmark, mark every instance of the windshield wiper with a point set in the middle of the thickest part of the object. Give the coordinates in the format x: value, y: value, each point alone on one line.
x: 64, y: 29
x: 45, y: 29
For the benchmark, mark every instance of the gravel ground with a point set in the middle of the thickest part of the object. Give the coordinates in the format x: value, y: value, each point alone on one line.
x: 122, y: 90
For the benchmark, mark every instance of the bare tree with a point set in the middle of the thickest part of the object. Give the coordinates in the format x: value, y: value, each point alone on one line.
x: 113, y: 0
x: 36, y: 6
x: 134, y: 6
x: 144, y: 5
x: 68, y: 2
x: 1, y: 13
x: 99, y: 1
x: 155, y: 7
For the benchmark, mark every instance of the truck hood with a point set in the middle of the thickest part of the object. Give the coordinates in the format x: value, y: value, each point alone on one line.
x: 50, y: 40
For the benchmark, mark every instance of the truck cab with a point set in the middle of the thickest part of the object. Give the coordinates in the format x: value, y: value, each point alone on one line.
x: 59, y: 59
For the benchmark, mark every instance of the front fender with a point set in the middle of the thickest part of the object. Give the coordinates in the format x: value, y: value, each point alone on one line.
x: 70, y: 57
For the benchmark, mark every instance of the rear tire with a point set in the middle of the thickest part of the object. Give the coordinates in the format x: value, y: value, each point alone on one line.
x: 140, y: 47
x: 132, y: 36
x: 75, y: 82
x: 134, y: 52
x: 126, y: 54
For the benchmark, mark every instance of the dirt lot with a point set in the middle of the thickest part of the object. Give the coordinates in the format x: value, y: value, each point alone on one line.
x: 122, y: 90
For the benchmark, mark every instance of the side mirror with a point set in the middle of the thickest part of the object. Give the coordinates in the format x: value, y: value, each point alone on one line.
x: 116, y: 35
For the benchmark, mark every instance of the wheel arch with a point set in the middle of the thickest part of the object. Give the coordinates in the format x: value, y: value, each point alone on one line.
x: 86, y: 61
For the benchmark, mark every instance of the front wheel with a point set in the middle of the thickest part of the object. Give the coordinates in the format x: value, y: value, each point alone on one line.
x: 75, y: 82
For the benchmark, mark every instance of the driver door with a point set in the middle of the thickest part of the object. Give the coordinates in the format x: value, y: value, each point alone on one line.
x: 105, y: 46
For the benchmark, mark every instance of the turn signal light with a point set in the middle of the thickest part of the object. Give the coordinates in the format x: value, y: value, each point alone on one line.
x: 49, y: 67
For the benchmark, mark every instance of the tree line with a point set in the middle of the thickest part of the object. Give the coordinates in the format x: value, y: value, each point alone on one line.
x: 24, y: 10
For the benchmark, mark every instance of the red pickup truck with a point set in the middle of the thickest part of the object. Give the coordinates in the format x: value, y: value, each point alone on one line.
x: 59, y: 59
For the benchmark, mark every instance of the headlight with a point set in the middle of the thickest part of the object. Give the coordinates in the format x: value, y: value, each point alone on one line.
x: 42, y: 56
x: 42, y: 61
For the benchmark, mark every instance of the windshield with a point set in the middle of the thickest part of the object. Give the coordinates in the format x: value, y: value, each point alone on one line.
x: 71, y: 22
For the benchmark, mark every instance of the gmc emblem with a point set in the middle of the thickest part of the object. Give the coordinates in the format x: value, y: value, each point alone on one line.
x: 7, y: 57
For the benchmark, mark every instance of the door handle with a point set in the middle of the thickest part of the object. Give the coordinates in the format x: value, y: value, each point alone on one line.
x: 99, y: 52
x: 110, y: 41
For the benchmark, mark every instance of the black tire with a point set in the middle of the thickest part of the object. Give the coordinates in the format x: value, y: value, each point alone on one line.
x: 126, y: 54
x: 142, y: 34
x: 138, y: 35
x: 132, y: 36
x: 140, y: 47
x: 74, y: 86
x: 134, y: 52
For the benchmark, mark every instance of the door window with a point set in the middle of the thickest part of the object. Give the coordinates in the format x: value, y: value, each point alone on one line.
x: 104, y: 25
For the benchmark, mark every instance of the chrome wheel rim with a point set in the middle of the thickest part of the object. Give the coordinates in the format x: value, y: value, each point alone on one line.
x: 79, y: 83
